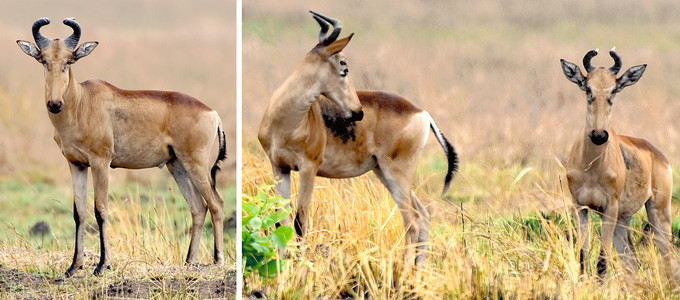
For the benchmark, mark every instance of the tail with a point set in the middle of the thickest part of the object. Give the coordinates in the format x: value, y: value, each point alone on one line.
x: 451, y: 154
x: 222, y: 155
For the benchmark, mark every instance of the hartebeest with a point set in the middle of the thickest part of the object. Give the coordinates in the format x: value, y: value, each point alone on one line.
x: 317, y: 124
x: 98, y: 126
x: 614, y: 175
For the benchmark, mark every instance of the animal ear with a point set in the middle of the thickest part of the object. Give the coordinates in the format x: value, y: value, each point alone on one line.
x: 84, y: 50
x: 29, y: 49
x: 631, y: 76
x: 573, y: 73
x: 337, y: 46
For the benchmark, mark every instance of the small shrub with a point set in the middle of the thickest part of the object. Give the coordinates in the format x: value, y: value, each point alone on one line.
x: 261, y: 237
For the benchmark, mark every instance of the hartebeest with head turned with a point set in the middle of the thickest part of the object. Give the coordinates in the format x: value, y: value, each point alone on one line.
x: 98, y: 126
x: 614, y: 175
x: 317, y: 124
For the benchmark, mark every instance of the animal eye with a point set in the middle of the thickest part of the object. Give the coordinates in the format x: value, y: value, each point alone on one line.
x: 343, y: 63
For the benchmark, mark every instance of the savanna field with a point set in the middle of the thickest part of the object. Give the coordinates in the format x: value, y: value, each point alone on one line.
x: 489, y: 74
x: 157, y: 45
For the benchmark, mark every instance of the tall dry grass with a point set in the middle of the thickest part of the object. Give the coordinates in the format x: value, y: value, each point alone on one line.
x: 488, y: 72
x: 355, y: 247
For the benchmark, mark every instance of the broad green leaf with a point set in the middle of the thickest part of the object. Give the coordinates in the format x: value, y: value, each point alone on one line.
x: 281, y: 236
x: 255, y: 223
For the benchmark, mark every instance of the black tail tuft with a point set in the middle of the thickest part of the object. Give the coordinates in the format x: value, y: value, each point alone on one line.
x: 222, y: 155
x: 452, y: 157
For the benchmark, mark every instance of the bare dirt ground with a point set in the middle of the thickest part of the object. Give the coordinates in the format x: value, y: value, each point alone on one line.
x: 22, y: 285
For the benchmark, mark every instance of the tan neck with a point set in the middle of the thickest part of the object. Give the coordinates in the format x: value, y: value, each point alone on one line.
x: 290, y: 103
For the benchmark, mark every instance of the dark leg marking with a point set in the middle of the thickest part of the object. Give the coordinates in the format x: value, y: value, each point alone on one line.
x: 102, y: 259
x: 601, y: 265
x: 298, y: 226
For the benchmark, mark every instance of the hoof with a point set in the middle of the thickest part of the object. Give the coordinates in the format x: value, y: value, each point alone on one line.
x: 99, y: 270
x: 72, y: 270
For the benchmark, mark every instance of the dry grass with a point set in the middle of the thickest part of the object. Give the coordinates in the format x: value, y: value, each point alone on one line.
x: 489, y: 74
x: 356, y: 242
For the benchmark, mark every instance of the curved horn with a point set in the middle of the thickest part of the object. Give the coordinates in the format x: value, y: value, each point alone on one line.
x: 617, y: 61
x: 72, y: 41
x: 324, y: 28
x: 40, y: 40
x: 587, y: 58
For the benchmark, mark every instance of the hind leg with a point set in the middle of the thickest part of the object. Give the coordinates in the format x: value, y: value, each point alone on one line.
x: 659, y: 215
x: 200, y: 178
x: 218, y: 226
x: 199, y: 174
x: 197, y: 207
x: 415, y: 216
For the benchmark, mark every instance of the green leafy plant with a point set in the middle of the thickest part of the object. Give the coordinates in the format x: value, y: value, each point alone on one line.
x: 261, y: 237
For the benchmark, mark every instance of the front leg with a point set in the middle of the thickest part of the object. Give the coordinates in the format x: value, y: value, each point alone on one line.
x: 79, y: 180
x: 307, y: 176
x: 282, y: 177
x: 609, y: 220
x: 100, y: 178
x: 583, y: 238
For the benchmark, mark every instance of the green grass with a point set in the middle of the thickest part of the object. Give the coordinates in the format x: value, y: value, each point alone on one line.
x: 24, y: 205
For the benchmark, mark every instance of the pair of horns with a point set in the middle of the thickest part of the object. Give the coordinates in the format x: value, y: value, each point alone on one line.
x: 42, y: 42
x: 324, y: 22
x: 614, y: 69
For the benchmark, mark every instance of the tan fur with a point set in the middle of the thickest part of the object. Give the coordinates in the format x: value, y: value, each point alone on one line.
x: 388, y: 140
x: 101, y: 126
x: 616, y: 178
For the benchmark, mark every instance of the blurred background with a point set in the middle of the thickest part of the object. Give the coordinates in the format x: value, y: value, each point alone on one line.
x: 487, y: 71
x: 180, y: 46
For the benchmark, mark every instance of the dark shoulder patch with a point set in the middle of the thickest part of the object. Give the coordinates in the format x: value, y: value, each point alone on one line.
x: 626, y: 155
x: 174, y: 98
x: 645, y: 145
x: 332, y: 117
x: 387, y: 102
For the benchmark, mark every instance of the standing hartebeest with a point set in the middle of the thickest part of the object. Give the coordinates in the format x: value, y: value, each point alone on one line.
x: 98, y: 125
x: 612, y: 174
x: 317, y: 124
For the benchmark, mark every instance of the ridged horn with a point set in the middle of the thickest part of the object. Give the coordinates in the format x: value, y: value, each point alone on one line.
x: 337, y: 27
x: 617, y: 61
x: 72, y: 41
x: 587, y: 58
x: 40, y: 40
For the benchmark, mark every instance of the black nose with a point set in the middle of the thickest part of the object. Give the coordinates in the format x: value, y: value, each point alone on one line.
x: 54, y: 107
x: 599, y: 138
x: 357, y: 116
